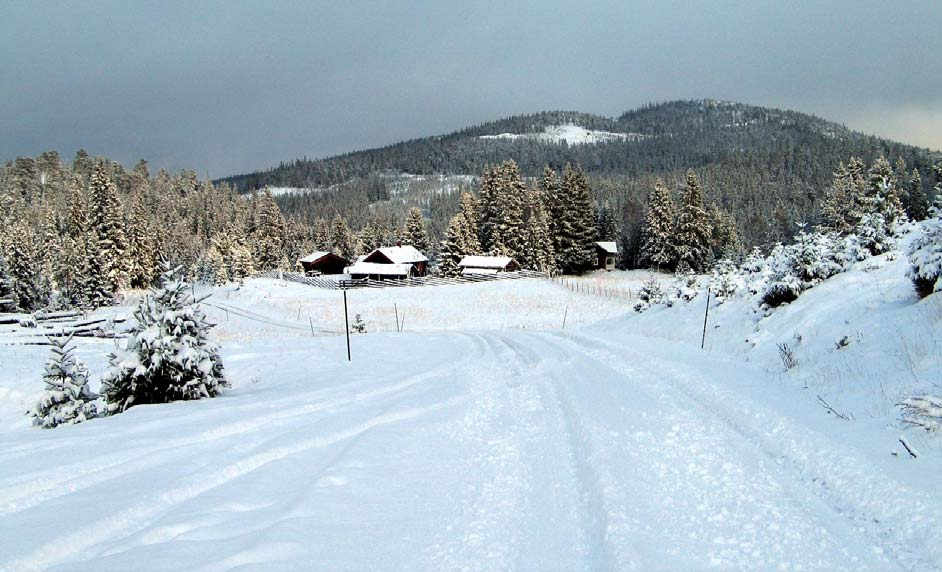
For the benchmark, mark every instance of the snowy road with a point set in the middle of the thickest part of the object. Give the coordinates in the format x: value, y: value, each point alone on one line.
x: 483, y: 451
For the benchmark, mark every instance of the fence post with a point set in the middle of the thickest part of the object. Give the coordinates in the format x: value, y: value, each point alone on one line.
x: 565, y: 315
x: 396, y: 309
x: 705, y: 316
x: 346, y: 321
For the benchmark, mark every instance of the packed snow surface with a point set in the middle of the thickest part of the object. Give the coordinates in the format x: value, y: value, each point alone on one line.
x: 569, y: 134
x: 487, y: 437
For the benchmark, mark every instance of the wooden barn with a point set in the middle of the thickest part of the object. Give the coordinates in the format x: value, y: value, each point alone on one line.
x: 322, y: 262
x: 487, y: 264
x: 607, y: 252
x: 398, y: 255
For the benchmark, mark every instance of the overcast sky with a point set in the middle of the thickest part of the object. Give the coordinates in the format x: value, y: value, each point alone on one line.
x: 229, y: 87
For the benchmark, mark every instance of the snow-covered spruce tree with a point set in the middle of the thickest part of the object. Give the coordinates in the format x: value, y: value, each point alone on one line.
x: 66, y: 397
x: 416, y: 234
x: 489, y: 210
x: 268, y: 238
x: 342, y: 239
x: 168, y: 356
x: 576, y: 228
x: 649, y: 295
x: 107, y: 220
x: 460, y: 241
x: 657, y: 233
x: 605, y: 223
x: 693, y: 235
x: 142, y: 254
x: 725, y: 236
x: 6, y: 286
x: 925, y: 253
x: 27, y: 286
x: 551, y: 190
x: 844, y: 204
x: 917, y: 204
x: 539, y: 242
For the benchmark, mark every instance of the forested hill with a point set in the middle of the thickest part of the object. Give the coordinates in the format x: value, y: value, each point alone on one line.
x: 782, y: 148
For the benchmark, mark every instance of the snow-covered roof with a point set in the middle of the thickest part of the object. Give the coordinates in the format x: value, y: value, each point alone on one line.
x: 314, y: 256
x: 609, y: 247
x: 473, y: 270
x: 485, y: 261
x: 405, y: 254
x: 380, y: 269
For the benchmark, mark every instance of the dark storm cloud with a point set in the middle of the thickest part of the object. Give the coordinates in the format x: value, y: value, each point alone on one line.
x: 226, y: 87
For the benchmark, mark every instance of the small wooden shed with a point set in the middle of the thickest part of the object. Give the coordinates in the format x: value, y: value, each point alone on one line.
x: 323, y: 262
x: 487, y: 264
x: 607, y: 251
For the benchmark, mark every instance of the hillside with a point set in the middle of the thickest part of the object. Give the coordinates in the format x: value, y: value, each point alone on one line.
x: 770, y: 168
x: 657, y: 138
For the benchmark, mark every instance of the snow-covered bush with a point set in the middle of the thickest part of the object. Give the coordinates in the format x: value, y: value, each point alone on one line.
x: 800, y: 266
x: 66, y: 398
x: 725, y: 280
x: 686, y: 286
x: 874, y: 234
x: 649, y: 295
x: 925, y: 254
x: 168, y: 356
x: 922, y: 411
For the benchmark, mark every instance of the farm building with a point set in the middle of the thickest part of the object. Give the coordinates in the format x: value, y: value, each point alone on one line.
x: 323, y: 263
x: 607, y: 251
x: 380, y: 271
x: 399, y: 255
x: 487, y: 264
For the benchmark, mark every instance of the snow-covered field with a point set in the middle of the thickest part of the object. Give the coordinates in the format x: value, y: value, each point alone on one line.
x: 486, y: 437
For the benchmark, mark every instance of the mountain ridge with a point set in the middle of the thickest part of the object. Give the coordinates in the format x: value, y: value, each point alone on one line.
x: 688, y: 126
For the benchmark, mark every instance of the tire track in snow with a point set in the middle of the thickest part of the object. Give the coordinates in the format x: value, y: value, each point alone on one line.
x: 27, y: 491
x: 809, y: 468
x: 138, y: 517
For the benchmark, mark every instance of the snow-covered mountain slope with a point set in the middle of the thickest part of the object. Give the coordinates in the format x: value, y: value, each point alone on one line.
x: 472, y: 443
x: 570, y: 134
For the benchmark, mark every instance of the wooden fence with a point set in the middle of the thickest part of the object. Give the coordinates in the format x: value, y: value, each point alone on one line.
x: 327, y: 283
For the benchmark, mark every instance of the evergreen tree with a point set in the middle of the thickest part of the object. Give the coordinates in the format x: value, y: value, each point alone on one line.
x: 27, y: 286
x: 605, y: 223
x: 551, y: 189
x: 657, y: 234
x: 576, y: 226
x: 342, y: 240
x: 6, y: 285
x: 882, y: 196
x: 539, y: 251
x: 693, y: 234
x: 168, y: 356
x: 268, y: 239
x: 470, y: 208
x: 66, y: 398
x: 490, y: 213
x: 142, y: 255
x: 415, y: 233
x: 509, y: 236
x: 108, y: 224
x: 917, y: 203
x: 321, y: 235
x: 725, y: 237
x: 453, y: 246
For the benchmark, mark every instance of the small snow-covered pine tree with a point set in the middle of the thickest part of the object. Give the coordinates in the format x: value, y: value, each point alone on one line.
x: 66, y: 397
x: 168, y: 356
